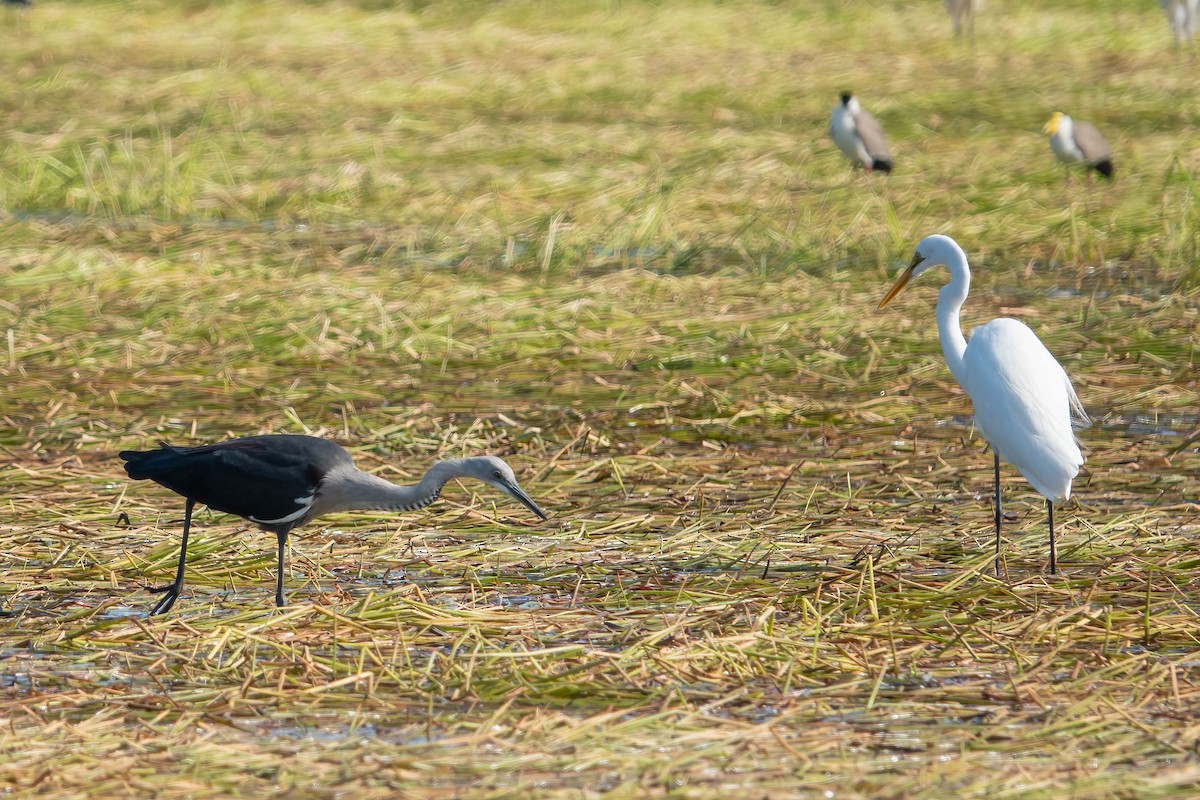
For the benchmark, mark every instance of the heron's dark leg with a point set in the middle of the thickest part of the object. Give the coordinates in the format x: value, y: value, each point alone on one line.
x: 996, y: 462
x: 281, y: 535
x: 1053, y: 552
x: 173, y: 589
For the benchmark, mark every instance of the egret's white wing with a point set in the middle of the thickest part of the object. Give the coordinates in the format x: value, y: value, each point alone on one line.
x: 1023, y: 403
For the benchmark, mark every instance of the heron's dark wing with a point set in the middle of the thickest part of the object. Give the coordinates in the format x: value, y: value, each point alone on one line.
x: 267, y: 479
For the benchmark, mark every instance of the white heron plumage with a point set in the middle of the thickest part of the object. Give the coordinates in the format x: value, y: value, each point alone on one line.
x: 1024, y: 401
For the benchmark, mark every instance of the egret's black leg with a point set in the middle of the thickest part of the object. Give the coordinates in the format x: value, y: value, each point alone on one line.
x: 173, y: 589
x: 1053, y: 552
x: 996, y: 461
x: 282, y: 537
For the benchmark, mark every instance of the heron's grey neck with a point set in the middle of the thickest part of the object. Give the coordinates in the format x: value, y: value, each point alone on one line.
x: 351, y: 489
x: 950, y: 303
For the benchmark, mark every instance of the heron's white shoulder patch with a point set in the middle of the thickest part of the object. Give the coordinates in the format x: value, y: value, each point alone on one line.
x: 304, y: 503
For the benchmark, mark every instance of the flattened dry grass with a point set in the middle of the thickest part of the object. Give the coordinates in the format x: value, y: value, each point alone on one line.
x: 788, y: 649
x: 613, y: 246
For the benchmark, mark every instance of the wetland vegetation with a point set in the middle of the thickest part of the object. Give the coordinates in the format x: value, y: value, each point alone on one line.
x: 612, y: 243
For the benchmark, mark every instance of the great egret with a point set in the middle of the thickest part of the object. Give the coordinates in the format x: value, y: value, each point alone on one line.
x: 1023, y: 399
x: 859, y: 135
x: 1077, y: 142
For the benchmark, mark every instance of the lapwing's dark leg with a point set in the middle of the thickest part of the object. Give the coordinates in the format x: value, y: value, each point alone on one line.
x: 173, y: 589
x: 999, y: 514
x: 1053, y: 551
x: 281, y: 535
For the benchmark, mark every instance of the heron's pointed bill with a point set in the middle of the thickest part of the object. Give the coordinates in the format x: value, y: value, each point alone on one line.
x: 519, y: 494
x: 902, y: 281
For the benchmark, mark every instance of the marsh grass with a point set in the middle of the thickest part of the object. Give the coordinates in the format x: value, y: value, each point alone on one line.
x: 611, y: 243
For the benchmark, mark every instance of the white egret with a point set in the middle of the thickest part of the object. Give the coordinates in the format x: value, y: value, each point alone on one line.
x: 859, y: 135
x: 1076, y: 142
x: 1023, y: 399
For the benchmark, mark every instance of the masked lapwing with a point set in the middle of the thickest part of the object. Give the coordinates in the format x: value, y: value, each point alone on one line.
x: 1076, y: 142
x: 859, y: 135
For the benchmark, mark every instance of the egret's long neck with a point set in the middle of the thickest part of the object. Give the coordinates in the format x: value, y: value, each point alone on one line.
x: 353, y: 489
x: 950, y: 302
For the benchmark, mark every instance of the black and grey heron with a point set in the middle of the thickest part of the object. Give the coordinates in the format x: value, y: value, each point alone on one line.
x: 1076, y: 142
x: 859, y: 135
x: 281, y: 481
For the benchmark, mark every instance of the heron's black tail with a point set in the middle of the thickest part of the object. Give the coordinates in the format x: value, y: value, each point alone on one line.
x: 151, y: 464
